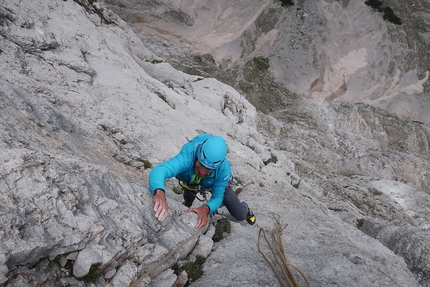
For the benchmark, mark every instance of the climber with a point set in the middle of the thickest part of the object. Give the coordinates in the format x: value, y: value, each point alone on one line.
x: 200, y: 165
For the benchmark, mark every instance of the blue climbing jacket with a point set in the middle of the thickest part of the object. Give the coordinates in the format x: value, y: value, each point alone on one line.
x: 181, y: 166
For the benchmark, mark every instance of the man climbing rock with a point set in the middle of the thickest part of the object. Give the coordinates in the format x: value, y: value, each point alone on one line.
x: 200, y: 165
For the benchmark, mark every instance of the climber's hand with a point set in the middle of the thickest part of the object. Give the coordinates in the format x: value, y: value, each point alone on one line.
x: 160, y: 205
x: 202, y: 214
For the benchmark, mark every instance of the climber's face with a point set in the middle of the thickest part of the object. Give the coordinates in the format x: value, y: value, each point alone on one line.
x: 200, y: 170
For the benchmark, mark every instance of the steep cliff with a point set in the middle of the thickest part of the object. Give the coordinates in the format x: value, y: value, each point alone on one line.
x: 92, y: 96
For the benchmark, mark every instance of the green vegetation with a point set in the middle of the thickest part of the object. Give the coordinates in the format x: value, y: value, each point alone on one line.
x: 374, y: 191
x: 121, y: 142
x: 91, y: 7
x: 237, y: 181
x: 261, y: 64
x: 104, y: 127
x: 178, y: 16
x: 238, y: 190
x: 370, y: 202
x: 222, y: 226
x: 54, y: 262
x: 193, y: 269
x: 177, y: 190
x: 206, y: 59
x: 146, y: 163
x: 109, y: 130
x: 256, y: 69
x: 273, y: 159
x: 164, y: 98
x: 92, y: 275
x: 360, y: 223
x: 253, y: 80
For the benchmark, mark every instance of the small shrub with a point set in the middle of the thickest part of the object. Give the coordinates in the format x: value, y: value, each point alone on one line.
x: 92, y: 275
x: 222, y: 226
x: 238, y: 190
x: 261, y: 64
x: 146, y: 163
x: 296, y: 185
x: 54, y: 262
x: 273, y: 159
x: 193, y: 269
x: 204, y: 59
x: 177, y: 190
x: 163, y: 97
x: 238, y: 180
x: 104, y: 127
x: 374, y: 191
x: 93, y: 8
x: 176, y: 268
x: 108, y: 129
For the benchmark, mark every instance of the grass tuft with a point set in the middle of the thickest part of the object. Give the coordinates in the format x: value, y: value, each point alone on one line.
x: 222, y: 226
x: 93, y: 275
x: 193, y: 269
x: 177, y: 190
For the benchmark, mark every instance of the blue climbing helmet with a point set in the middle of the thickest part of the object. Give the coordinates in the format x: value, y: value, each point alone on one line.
x: 212, y: 152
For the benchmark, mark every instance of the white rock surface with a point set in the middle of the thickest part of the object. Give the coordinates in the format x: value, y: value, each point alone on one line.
x: 86, y: 104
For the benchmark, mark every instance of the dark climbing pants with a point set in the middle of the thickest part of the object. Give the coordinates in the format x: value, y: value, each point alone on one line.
x: 237, y: 209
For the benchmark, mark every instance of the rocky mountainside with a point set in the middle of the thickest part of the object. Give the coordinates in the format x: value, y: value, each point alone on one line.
x: 322, y: 106
x: 339, y: 51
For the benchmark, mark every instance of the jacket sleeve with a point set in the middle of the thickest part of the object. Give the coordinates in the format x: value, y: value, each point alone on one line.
x: 169, y: 169
x: 176, y: 165
x: 218, y: 187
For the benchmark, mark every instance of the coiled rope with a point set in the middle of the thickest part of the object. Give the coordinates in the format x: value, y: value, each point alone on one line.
x: 134, y: 283
x: 279, y: 254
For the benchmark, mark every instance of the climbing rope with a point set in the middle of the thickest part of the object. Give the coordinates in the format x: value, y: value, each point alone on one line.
x: 133, y: 284
x: 279, y: 254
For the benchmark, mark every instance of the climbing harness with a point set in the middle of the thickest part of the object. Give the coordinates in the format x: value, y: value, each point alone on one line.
x: 279, y: 254
x: 133, y: 284
x: 194, y: 187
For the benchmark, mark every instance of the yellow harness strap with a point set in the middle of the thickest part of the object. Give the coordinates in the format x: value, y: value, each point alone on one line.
x: 194, y: 184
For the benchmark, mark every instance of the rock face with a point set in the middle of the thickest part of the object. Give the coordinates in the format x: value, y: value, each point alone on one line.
x: 88, y: 105
x: 339, y: 51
